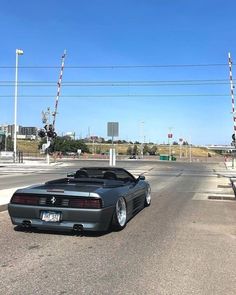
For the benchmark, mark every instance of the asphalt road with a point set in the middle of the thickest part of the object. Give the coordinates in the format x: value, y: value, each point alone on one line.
x: 182, y: 244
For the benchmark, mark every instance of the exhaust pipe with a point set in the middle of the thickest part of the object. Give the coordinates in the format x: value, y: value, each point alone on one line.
x: 26, y: 223
x: 78, y: 228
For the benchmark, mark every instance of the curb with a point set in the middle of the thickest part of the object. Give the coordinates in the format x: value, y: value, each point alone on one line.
x: 233, y: 182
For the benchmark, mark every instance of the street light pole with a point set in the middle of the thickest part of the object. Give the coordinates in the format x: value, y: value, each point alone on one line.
x: 190, y: 151
x: 142, y: 138
x: 18, y: 52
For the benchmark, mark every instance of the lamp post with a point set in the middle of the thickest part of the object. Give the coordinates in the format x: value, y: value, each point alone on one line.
x: 170, y: 136
x: 190, y: 151
x: 18, y: 52
x: 142, y: 138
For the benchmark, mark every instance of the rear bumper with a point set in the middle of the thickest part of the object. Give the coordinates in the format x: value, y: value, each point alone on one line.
x: 89, y: 219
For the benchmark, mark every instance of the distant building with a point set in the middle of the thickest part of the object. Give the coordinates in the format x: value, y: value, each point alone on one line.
x: 22, y: 132
x: 4, y: 129
x: 28, y: 131
x: 94, y: 139
x: 70, y: 134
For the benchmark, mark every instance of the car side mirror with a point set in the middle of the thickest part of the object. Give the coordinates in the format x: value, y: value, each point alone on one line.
x: 71, y: 174
x: 141, y: 177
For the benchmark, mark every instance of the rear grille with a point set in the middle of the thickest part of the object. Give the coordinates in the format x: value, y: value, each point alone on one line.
x: 54, y: 201
x: 57, y: 201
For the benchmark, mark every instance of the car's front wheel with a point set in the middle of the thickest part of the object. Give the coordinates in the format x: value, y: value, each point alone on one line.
x: 119, y: 219
x: 148, y: 198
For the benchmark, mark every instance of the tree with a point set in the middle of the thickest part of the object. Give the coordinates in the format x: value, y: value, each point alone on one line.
x: 66, y: 144
x: 129, y: 150
x: 135, y: 150
x: 146, y: 149
x: 153, y: 150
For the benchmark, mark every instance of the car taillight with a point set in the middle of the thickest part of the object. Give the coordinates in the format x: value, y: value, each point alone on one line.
x: 86, y: 203
x: 25, y: 200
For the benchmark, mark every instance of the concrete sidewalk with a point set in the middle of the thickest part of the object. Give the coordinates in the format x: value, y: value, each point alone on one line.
x: 32, y: 163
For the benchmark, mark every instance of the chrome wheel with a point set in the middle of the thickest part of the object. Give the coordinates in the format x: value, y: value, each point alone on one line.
x: 148, y: 198
x: 121, y: 212
x: 119, y: 218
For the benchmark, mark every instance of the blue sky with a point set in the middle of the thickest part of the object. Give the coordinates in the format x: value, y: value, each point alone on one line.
x: 107, y: 32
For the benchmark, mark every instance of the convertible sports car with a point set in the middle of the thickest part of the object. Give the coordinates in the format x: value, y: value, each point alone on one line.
x: 91, y: 199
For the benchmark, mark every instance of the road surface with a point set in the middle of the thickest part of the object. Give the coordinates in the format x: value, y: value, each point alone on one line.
x: 183, y: 243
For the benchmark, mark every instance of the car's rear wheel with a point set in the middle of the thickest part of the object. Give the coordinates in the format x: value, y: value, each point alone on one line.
x: 148, y: 198
x: 119, y: 219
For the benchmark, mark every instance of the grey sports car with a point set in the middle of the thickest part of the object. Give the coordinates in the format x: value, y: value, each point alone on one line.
x: 91, y: 199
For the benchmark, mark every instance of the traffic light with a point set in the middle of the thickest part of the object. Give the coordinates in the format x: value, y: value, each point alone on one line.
x: 41, y: 133
x: 51, y: 134
x: 47, y: 131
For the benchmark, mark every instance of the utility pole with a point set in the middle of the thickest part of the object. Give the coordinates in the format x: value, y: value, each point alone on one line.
x: 48, y: 142
x: 18, y: 52
x: 170, y: 136
x: 232, y: 97
x: 180, y: 147
x: 190, y: 151
x: 5, y: 140
x: 142, y: 138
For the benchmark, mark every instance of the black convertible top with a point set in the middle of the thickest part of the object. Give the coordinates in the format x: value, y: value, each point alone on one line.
x: 109, y: 173
x: 100, y: 176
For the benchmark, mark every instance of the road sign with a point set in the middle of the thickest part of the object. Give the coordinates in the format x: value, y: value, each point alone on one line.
x: 112, y: 129
x: 170, y: 135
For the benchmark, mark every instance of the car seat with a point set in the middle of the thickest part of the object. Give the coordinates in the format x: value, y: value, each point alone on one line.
x: 81, y: 174
x: 110, y: 175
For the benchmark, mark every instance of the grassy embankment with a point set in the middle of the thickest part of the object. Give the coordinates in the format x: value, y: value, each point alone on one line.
x: 31, y: 147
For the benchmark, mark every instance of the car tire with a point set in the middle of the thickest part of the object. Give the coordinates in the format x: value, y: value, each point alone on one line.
x: 148, y: 198
x: 119, y: 218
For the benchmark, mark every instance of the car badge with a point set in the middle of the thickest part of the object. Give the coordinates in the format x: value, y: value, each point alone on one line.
x: 53, y: 200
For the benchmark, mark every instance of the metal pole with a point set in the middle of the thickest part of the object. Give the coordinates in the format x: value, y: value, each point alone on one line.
x: 5, y: 140
x: 112, y: 154
x: 58, y: 89
x: 18, y: 52
x: 190, y: 151
x: 232, y: 97
x: 142, y: 138
x: 232, y: 91
x: 169, y: 140
x: 48, y: 122
x: 15, y: 105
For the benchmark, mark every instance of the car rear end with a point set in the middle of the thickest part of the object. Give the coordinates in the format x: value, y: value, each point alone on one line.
x: 59, y: 210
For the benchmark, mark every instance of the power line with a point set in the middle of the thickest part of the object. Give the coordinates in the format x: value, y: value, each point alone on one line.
x: 119, y: 81
x: 119, y: 66
x: 116, y: 83
x: 118, y: 95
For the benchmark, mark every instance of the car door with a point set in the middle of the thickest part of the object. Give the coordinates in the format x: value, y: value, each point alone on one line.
x: 134, y: 198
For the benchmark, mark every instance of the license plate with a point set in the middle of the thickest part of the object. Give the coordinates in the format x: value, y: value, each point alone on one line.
x: 50, y: 216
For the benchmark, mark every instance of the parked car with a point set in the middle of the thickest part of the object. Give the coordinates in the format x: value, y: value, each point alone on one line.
x: 91, y: 199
